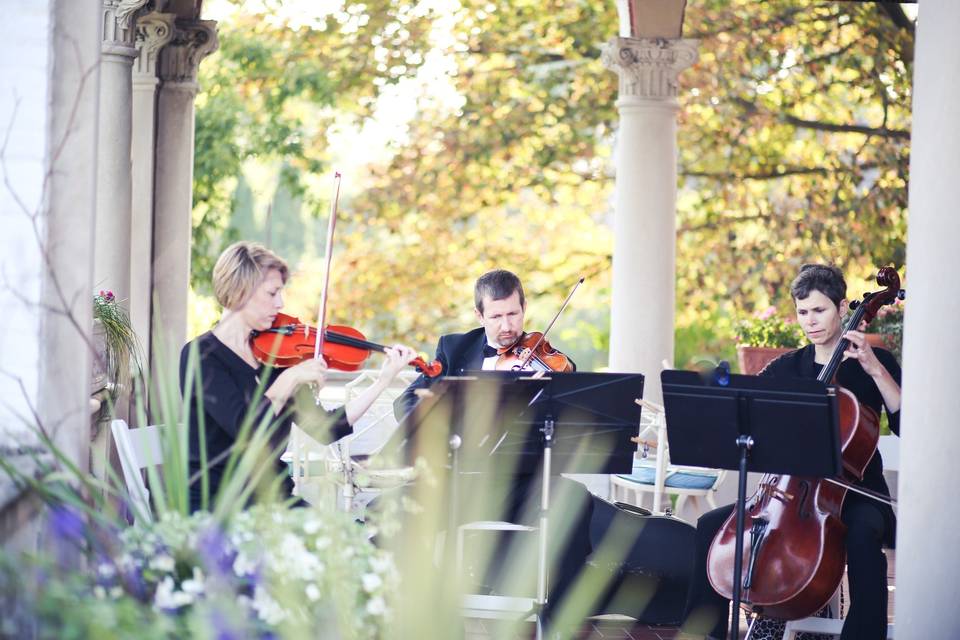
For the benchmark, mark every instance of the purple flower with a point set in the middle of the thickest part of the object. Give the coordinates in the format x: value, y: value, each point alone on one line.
x: 216, y: 551
x: 223, y: 629
x: 66, y: 524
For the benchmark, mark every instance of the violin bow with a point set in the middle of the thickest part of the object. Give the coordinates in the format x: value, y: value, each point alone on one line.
x: 322, y: 313
x: 543, y: 336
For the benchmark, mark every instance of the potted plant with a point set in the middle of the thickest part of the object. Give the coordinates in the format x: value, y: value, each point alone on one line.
x: 887, y: 329
x: 116, y: 352
x: 764, y: 336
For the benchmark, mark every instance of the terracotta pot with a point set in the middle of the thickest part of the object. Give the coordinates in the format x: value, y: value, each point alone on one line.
x: 881, y: 340
x: 753, y: 359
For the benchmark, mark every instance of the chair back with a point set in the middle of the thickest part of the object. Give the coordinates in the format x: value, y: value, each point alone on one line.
x: 138, y: 449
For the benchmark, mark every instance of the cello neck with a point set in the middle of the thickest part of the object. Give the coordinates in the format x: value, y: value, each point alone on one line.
x: 830, y: 369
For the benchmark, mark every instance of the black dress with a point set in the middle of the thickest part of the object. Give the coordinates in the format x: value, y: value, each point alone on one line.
x: 870, y: 524
x: 231, y: 394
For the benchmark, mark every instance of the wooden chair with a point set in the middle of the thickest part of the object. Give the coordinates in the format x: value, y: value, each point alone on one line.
x: 138, y: 449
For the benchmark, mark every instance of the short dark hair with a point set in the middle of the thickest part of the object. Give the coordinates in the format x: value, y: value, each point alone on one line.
x: 825, y: 278
x: 498, y: 284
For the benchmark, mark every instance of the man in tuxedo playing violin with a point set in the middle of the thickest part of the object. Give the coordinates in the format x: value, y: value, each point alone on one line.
x: 873, y: 376
x: 499, y: 305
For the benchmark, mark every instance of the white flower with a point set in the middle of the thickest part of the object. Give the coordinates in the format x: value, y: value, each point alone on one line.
x: 371, y: 582
x: 99, y: 592
x: 243, y: 566
x: 311, y: 526
x: 106, y: 570
x: 322, y: 543
x: 116, y: 592
x: 194, y: 586
x: 162, y: 563
x: 376, y: 606
x: 313, y: 592
x: 167, y: 597
x: 381, y: 564
x: 267, y: 608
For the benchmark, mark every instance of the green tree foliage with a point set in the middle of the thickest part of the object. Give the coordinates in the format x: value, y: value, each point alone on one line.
x: 794, y: 143
x: 271, y: 92
x: 794, y: 146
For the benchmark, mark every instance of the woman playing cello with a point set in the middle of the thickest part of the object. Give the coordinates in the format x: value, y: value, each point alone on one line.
x: 873, y: 376
x: 248, y: 282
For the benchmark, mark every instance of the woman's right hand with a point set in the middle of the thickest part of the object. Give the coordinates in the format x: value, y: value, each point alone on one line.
x: 312, y: 371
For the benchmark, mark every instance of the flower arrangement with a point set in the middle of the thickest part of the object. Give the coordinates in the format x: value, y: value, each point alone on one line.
x: 271, y: 571
x: 121, y: 349
x: 766, y: 329
x: 889, y: 324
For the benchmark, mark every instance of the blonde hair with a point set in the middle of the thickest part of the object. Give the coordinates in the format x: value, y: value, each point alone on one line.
x: 240, y: 269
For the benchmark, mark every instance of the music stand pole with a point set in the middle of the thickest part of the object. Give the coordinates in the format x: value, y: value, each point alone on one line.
x: 453, y: 514
x: 547, y: 430
x: 745, y: 443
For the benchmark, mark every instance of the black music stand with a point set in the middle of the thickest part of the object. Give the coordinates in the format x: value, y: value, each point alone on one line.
x: 750, y: 423
x: 557, y: 423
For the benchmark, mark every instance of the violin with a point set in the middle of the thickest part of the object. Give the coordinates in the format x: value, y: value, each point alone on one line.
x: 289, y: 342
x: 795, y: 555
x: 532, y: 350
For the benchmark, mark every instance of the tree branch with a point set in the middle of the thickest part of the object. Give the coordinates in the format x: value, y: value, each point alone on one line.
x: 818, y: 125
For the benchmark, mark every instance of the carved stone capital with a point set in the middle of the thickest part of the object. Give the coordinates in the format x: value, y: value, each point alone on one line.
x: 192, y: 41
x: 649, y: 68
x: 154, y: 31
x: 119, y: 18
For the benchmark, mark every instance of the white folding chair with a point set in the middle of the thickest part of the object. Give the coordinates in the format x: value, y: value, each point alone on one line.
x: 655, y: 475
x: 889, y: 447
x: 138, y: 449
x: 318, y: 468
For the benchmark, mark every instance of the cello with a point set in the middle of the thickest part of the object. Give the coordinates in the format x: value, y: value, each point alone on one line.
x: 794, y: 556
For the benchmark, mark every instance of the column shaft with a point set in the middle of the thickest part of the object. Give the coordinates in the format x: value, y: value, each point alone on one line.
x: 112, y: 257
x: 192, y: 41
x: 153, y: 32
x: 642, y: 312
x: 927, y: 553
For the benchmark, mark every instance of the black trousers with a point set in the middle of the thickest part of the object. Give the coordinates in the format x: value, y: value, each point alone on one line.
x: 707, y: 611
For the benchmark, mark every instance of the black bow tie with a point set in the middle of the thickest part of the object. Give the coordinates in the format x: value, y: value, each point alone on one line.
x: 488, y: 351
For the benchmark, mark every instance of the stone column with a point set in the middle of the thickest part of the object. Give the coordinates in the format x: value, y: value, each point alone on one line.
x: 192, y: 41
x: 642, y: 314
x: 928, y: 557
x: 117, y: 53
x: 154, y: 31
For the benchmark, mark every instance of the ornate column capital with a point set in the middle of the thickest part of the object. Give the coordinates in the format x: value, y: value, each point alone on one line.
x: 192, y: 41
x: 118, y: 20
x: 154, y: 31
x: 649, y: 67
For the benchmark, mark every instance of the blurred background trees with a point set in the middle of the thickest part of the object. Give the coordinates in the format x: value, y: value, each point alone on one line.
x: 480, y: 134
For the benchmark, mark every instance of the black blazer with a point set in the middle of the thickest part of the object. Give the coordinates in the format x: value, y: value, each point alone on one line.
x: 230, y: 396
x: 458, y: 353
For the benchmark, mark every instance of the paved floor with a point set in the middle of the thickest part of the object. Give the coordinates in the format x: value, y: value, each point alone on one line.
x: 618, y: 628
